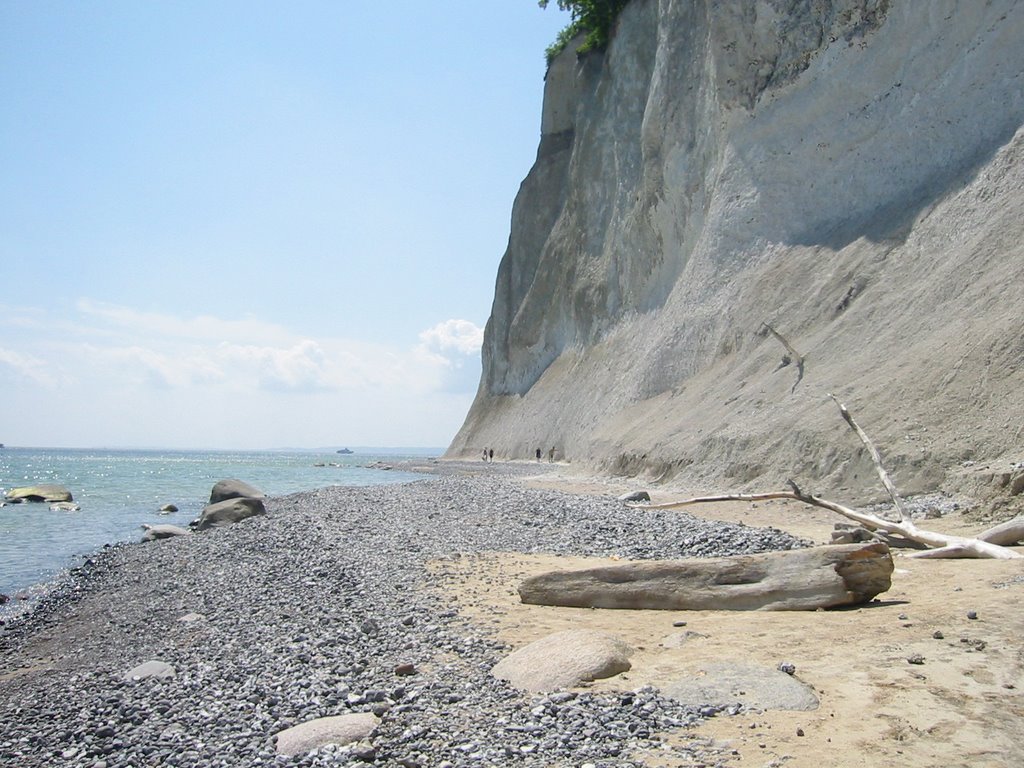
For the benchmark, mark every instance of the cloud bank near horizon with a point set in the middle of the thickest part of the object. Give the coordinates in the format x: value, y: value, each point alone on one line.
x: 131, y: 377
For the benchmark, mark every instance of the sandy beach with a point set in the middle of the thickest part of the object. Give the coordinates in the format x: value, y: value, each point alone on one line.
x: 964, y: 705
x: 312, y: 610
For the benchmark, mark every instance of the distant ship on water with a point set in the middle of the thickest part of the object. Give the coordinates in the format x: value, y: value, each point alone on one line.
x: 343, y: 450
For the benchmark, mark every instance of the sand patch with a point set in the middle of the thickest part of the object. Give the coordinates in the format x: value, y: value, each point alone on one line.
x: 963, y: 705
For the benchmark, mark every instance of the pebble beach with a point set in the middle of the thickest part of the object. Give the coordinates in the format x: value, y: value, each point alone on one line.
x: 323, y: 607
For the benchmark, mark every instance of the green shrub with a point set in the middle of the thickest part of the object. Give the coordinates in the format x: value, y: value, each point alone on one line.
x: 595, y: 17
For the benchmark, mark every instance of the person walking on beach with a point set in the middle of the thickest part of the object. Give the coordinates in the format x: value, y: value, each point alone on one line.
x: 491, y: 455
x: 538, y: 454
x: 551, y: 455
x: 485, y: 454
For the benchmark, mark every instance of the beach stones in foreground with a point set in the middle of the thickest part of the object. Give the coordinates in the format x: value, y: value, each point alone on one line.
x: 724, y: 684
x: 149, y: 669
x: 229, y: 511
x: 564, y: 659
x: 234, y: 489
x: 340, y: 730
x: 46, y: 492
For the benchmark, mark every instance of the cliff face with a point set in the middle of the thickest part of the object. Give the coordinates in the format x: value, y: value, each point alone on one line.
x: 849, y: 171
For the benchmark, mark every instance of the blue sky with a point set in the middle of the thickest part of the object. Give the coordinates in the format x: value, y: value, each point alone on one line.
x: 255, y: 224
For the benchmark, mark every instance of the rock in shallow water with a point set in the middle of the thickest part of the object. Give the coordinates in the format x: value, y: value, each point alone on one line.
x: 45, y: 492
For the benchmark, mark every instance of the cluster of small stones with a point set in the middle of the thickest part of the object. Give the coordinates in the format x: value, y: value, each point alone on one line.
x: 324, y: 607
x: 922, y: 507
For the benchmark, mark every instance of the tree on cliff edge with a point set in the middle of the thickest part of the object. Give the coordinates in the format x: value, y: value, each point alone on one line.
x: 595, y: 17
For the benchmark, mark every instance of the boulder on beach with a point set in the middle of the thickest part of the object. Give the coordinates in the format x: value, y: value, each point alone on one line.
x: 229, y: 511
x: 723, y: 684
x: 234, y: 489
x: 46, y: 492
x: 564, y: 659
x: 154, y: 532
x: 339, y: 729
x: 148, y: 669
x: 167, y: 509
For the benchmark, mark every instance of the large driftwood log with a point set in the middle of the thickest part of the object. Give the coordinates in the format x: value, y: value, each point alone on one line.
x: 791, y: 580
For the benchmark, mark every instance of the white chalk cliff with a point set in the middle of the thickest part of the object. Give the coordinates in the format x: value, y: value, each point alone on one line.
x: 849, y: 171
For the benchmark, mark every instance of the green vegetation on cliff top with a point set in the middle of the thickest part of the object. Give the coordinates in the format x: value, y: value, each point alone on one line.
x: 595, y: 17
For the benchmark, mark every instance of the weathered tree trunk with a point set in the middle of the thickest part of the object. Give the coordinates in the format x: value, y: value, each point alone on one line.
x: 1004, y: 534
x: 791, y: 580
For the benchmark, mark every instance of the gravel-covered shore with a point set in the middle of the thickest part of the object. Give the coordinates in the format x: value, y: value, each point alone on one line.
x: 306, y: 613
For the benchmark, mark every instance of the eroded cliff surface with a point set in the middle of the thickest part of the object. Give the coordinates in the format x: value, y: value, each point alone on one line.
x: 849, y: 171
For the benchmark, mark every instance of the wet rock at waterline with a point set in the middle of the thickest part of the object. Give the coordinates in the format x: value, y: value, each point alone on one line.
x: 234, y: 489
x: 229, y: 511
x: 45, y: 492
x: 154, y: 532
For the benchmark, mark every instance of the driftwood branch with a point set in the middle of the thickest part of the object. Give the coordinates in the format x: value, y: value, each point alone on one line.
x: 942, y: 545
x: 987, y: 545
x: 1010, y: 532
x: 876, y: 459
x: 794, y: 356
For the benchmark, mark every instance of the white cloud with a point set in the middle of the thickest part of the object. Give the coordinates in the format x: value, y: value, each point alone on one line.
x: 301, y: 366
x: 202, y: 327
x: 209, y: 380
x: 460, y: 336
x: 29, y: 366
x: 452, y: 349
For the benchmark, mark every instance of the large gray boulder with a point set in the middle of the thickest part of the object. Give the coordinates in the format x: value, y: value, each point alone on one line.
x: 723, y: 684
x: 234, y: 489
x: 229, y: 511
x: 45, y: 492
x: 564, y: 659
x: 340, y: 730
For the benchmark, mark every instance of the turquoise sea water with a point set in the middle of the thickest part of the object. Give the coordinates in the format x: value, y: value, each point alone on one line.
x: 119, y: 490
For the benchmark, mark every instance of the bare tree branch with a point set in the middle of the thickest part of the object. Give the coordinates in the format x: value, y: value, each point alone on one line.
x: 941, y: 545
x: 876, y: 458
x: 796, y: 356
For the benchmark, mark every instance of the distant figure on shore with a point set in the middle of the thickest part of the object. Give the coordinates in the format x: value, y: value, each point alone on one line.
x: 491, y: 455
x: 551, y: 455
x: 538, y: 454
x: 485, y: 454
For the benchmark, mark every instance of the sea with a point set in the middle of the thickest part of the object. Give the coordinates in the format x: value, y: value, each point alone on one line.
x: 119, y: 490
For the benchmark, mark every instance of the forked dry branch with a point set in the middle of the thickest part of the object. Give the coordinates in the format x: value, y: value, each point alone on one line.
x: 796, y: 356
x: 940, y: 545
